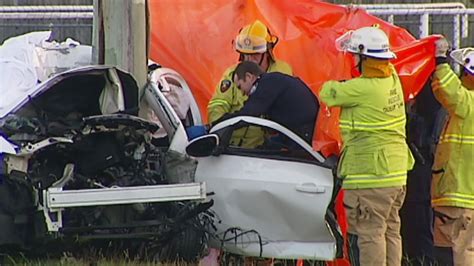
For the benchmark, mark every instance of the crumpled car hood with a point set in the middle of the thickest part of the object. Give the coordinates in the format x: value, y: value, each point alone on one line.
x: 31, y: 58
x: 74, y: 91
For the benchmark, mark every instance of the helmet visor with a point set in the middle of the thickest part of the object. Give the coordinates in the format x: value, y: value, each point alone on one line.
x: 464, y: 57
x: 343, y: 42
x: 457, y: 56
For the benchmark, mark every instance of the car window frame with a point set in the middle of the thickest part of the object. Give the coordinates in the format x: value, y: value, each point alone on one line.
x: 256, y: 121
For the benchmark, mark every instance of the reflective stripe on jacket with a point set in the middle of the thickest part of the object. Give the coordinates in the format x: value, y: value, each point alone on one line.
x: 232, y: 99
x: 453, y: 169
x: 372, y: 123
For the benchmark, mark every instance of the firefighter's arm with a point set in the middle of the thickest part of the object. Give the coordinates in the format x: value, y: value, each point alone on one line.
x: 222, y: 100
x: 259, y: 102
x: 450, y: 93
x: 336, y: 93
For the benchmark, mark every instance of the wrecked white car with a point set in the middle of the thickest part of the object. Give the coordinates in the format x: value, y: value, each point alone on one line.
x: 77, y: 164
x: 76, y: 160
x: 267, y: 203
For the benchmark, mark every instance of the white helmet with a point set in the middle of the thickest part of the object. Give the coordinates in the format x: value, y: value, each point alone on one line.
x: 368, y: 41
x: 464, y: 57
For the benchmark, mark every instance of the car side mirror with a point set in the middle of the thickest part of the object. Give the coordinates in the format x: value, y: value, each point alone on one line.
x: 203, y: 146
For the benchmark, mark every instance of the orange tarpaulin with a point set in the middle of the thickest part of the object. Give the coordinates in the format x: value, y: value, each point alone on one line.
x: 195, y: 38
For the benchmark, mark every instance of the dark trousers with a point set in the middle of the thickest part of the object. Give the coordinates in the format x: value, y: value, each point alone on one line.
x: 417, y: 217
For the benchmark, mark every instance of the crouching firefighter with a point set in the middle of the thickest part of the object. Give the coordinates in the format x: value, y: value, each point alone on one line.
x: 452, y: 189
x: 375, y: 157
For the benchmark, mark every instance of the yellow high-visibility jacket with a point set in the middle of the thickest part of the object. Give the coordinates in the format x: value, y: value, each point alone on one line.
x: 372, y: 123
x: 453, y: 169
x: 228, y: 98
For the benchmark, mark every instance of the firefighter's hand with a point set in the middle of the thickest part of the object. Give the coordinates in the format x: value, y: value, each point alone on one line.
x: 435, y: 84
x: 442, y: 47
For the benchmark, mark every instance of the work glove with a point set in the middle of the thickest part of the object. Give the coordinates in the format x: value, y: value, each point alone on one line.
x: 442, y: 47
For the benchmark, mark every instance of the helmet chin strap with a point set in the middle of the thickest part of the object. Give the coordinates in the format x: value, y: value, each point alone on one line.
x: 261, y: 59
x: 359, y: 65
x: 267, y: 61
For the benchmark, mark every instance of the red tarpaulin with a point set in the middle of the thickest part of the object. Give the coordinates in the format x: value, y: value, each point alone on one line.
x: 195, y: 38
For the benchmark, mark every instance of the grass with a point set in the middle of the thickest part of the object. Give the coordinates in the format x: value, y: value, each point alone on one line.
x: 67, y: 260
x: 123, y: 260
x: 119, y: 258
x: 88, y: 262
x: 71, y: 261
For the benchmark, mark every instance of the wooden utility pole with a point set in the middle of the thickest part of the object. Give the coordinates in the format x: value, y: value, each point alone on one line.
x: 120, y: 36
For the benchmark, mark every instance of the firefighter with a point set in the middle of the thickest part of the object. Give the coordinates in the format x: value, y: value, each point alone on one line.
x: 253, y: 43
x: 452, y: 188
x: 282, y: 98
x: 375, y: 157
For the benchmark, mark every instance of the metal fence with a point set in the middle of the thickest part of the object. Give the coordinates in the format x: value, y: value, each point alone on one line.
x: 468, y: 3
x: 453, y: 20
x: 72, y: 20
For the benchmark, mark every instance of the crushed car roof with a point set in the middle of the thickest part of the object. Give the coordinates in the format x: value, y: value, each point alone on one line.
x: 17, y: 98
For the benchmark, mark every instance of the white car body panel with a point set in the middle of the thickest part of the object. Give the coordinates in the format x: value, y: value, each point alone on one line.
x: 284, y: 201
x: 268, y: 196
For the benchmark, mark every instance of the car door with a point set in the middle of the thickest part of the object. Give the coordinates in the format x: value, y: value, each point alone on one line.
x: 269, y: 203
x: 162, y: 82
